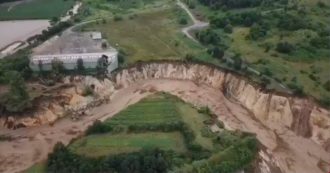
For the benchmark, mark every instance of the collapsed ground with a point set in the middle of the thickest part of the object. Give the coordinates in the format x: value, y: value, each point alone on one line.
x: 181, y: 133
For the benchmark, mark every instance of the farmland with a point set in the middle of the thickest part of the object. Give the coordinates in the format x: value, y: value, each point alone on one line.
x: 108, y: 144
x: 151, y: 112
x: 34, y: 9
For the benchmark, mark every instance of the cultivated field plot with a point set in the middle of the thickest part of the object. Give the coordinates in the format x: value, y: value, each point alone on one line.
x: 34, y: 9
x: 148, y: 36
x: 108, y: 144
x: 153, y: 110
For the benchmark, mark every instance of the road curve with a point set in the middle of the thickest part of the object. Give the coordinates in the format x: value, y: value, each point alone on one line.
x: 197, y: 24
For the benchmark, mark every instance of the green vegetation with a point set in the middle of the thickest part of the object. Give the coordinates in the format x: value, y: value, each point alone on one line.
x: 112, y: 144
x: 149, y: 36
x: 17, y: 98
x: 37, y: 168
x: 285, y: 40
x: 35, y: 9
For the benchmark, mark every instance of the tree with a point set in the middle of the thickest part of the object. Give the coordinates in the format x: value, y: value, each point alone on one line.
x: 183, y: 21
x: 216, y: 52
x: 17, y: 99
x: 228, y: 28
x: 257, y: 32
x: 80, y: 66
x: 102, y: 65
x: 237, y: 62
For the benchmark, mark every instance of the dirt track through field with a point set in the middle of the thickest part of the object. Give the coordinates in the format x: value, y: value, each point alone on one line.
x: 31, y: 145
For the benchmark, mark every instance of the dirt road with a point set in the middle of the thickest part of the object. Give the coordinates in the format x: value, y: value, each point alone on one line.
x: 31, y: 145
x: 197, y: 24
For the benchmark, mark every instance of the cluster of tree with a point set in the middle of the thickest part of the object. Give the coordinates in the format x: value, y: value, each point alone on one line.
x: 147, y: 160
x: 13, y: 71
x: 208, y: 36
x: 18, y: 62
x: 230, y: 4
x: 237, y: 156
x: 321, y: 42
x: 17, y: 98
x: 291, y: 22
x: 216, y: 52
x: 238, y: 19
x: 164, y: 127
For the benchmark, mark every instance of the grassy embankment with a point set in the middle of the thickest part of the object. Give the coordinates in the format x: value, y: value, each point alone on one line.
x: 35, y: 9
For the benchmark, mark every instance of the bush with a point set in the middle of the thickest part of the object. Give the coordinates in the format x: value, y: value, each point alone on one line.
x: 183, y: 21
x: 326, y: 85
x: 118, y: 18
x: 98, y: 128
x: 284, y: 47
x: 297, y: 89
x: 216, y: 52
x: 228, y: 28
x: 88, y: 91
x: 220, y: 124
x: 204, y: 110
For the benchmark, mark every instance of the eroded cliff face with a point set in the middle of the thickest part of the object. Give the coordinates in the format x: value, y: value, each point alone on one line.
x: 60, y: 101
x: 276, y: 112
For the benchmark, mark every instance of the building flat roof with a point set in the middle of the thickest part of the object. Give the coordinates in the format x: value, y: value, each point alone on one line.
x: 72, y: 43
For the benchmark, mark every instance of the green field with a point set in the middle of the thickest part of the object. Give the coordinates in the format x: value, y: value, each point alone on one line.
x: 148, y: 36
x: 195, y: 121
x: 155, y: 109
x: 35, y: 9
x: 108, y: 144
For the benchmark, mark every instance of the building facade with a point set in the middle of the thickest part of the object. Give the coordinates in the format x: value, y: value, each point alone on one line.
x: 90, y: 60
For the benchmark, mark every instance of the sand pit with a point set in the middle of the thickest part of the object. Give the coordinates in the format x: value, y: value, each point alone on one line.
x: 14, y: 31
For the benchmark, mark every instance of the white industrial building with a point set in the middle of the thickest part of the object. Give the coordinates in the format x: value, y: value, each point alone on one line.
x: 70, y: 47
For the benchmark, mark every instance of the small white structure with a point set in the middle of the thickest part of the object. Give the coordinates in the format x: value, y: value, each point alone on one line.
x: 96, y: 36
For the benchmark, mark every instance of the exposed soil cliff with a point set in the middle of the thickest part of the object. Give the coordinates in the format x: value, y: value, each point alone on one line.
x: 294, y: 131
x: 276, y: 112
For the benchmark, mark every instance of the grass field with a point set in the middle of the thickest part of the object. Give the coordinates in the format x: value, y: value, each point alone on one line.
x: 148, y: 36
x: 155, y: 109
x: 108, y: 144
x: 35, y: 9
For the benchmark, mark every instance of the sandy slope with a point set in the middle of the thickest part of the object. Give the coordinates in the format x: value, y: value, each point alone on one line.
x: 32, y: 145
